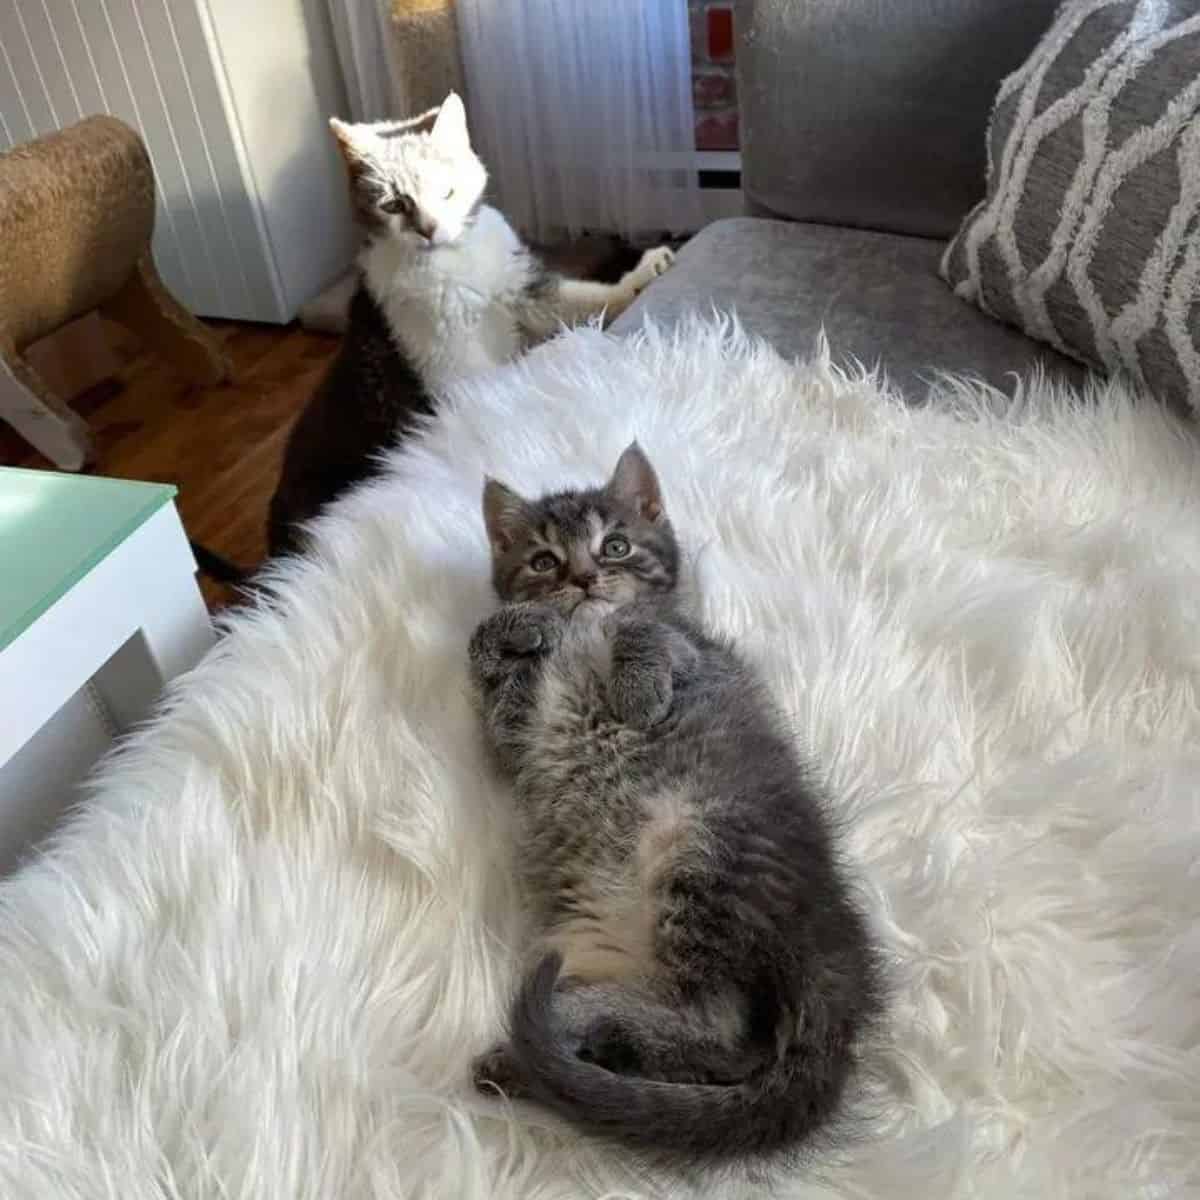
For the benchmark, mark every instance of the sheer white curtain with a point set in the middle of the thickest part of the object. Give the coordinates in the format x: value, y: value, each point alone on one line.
x: 582, y: 112
x: 360, y: 32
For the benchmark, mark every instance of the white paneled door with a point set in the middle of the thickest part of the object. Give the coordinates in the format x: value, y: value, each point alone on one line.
x: 232, y: 100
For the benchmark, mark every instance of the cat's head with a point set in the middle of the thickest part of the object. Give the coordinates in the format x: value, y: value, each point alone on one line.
x: 407, y: 182
x: 609, y: 545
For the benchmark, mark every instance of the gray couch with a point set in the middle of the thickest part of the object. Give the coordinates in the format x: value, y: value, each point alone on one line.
x: 863, y: 125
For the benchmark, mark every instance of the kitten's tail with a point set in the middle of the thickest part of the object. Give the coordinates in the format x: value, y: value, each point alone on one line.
x: 787, y: 1094
x: 216, y: 567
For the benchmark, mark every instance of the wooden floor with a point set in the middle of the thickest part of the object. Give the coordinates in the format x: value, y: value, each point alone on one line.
x: 220, y: 446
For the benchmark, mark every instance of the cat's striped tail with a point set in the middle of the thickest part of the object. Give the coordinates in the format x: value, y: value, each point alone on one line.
x: 790, y: 1092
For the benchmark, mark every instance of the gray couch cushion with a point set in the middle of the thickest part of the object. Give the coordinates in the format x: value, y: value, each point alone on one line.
x: 878, y: 296
x: 1090, y: 234
x: 872, y: 112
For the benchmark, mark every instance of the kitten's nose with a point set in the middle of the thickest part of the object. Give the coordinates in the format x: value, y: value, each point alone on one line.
x: 585, y: 580
x: 426, y: 227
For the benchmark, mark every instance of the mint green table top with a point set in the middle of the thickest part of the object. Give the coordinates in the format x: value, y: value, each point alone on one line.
x: 54, y: 528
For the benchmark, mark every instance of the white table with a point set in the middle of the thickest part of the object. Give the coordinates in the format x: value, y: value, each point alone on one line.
x: 99, y: 608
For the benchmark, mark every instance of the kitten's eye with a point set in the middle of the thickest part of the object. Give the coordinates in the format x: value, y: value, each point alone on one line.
x: 544, y: 562
x: 615, y: 546
x: 395, y: 205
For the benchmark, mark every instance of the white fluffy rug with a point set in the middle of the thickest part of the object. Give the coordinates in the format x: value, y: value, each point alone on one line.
x: 260, y: 965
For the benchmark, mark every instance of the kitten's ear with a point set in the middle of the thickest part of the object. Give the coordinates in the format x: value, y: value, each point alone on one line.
x: 356, y: 145
x: 450, y: 128
x: 635, y: 484
x: 505, y: 515
x: 353, y: 141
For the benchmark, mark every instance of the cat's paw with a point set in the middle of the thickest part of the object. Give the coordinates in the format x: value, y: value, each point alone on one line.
x: 651, y: 265
x: 497, y: 1071
x: 534, y: 629
x: 517, y: 632
x: 640, y: 698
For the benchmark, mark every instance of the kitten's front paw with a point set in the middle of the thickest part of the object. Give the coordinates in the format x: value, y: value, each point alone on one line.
x: 519, y: 631
x: 652, y: 264
x: 533, y: 628
x: 640, y: 698
x: 497, y: 1071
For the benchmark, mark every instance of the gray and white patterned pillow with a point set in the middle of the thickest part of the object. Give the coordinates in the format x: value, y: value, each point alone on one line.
x: 1089, y: 236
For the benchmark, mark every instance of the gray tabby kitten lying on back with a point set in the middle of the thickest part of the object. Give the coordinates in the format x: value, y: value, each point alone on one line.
x: 702, y: 976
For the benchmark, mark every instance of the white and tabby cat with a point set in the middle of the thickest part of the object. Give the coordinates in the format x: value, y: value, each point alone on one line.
x: 446, y: 289
x: 460, y: 290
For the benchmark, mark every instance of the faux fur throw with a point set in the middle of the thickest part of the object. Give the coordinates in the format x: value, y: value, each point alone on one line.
x: 258, y: 964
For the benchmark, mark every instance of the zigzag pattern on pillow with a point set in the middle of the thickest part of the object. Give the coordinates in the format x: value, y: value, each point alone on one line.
x: 1089, y: 236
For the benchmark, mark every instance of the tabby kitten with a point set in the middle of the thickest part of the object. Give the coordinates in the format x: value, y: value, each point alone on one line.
x: 700, y: 975
x: 446, y: 289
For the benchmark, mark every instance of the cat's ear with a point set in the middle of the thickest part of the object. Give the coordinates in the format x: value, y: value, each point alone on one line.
x: 354, y: 142
x: 635, y: 484
x: 505, y: 514
x: 450, y: 129
x: 356, y: 145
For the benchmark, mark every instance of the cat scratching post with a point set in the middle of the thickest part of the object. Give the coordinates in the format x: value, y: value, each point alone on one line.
x: 76, y: 219
x: 425, y: 53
